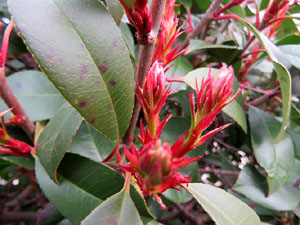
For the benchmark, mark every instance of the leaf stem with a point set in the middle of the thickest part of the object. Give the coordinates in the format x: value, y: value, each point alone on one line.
x: 144, y: 63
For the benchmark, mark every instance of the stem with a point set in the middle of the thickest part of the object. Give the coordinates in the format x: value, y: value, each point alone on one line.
x: 12, y: 102
x: 144, y: 63
x: 203, y: 23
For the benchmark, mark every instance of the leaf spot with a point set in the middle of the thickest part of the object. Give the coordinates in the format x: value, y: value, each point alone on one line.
x: 18, y: 84
x: 92, y: 120
x: 112, y: 82
x: 102, y: 69
x: 82, y: 104
x: 84, y: 69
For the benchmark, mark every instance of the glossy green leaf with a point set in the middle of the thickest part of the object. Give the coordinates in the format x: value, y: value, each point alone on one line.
x: 196, y: 44
x: 254, y: 186
x: 277, y: 159
x: 99, y: 180
x: 290, y: 54
x: 71, y: 201
x: 118, y: 209
x: 26, y: 162
x: 88, y: 142
x: 181, y: 66
x: 115, y: 9
x: 56, y: 139
x: 282, y: 74
x: 35, y: 93
x: 84, y: 184
x: 84, y: 56
x: 234, y: 109
x: 215, y: 202
x: 187, y: 4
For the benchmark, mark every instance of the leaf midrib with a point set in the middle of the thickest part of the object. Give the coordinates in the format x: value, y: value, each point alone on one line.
x: 110, y: 97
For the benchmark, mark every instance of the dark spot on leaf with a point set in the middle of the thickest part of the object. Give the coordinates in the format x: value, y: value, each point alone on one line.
x: 115, y: 44
x: 82, y: 104
x: 84, y: 69
x: 61, y: 60
x: 102, y: 69
x: 80, y: 77
x: 93, y: 121
x: 18, y: 84
x: 112, y: 82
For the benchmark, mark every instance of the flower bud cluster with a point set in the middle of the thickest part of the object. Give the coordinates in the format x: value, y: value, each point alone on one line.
x: 9, y: 145
x: 139, y: 16
x: 164, y: 52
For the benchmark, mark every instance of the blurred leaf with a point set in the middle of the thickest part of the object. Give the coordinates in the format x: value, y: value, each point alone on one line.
x: 295, y: 136
x: 88, y: 142
x: 26, y: 162
x: 118, y: 209
x: 128, y: 38
x: 115, y: 9
x: 174, y: 128
x: 291, y: 55
x: 289, y: 40
x: 234, y: 110
x: 181, y: 66
x: 254, y: 186
x: 56, y: 139
x: 215, y: 202
x: 286, y: 28
x: 196, y: 44
x: 187, y: 3
x: 282, y: 74
x: 35, y: 93
x: 277, y: 159
x: 177, y: 196
x: 86, y: 59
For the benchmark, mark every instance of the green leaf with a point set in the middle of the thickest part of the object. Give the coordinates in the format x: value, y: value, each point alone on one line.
x: 277, y: 159
x: 181, y: 66
x: 295, y: 135
x: 72, y: 201
x: 177, y: 196
x: 99, y: 180
x: 234, y: 109
x: 88, y: 142
x: 26, y: 162
x: 56, y: 139
x: 223, y: 207
x: 84, y: 185
x: 174, y: 128
x: 35, y: 93
x: 187, y: 4
x: 290, y: 54
x: 82, y: 52
x: 282, y: 74
x: 115, y: 9
x: 118, y: 209
x: 128, y: 38
x: 254, y: 186
x: 196, y: 44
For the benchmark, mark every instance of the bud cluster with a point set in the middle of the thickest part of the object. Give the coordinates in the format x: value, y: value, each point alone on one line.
x: 9, y: 145
x: 139, y: 16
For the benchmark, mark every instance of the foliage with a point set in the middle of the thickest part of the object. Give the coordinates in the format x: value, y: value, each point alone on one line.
x: 217, y: 140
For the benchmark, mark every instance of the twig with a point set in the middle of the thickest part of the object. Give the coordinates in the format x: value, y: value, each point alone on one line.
x: 17, y: 216
x: 20, y: 197
x: 185, y: 215
x: 218, y: 171
x: 228, y: 146
x: 145, y: 59
x: 262, y: 99
x: 12, y: 102
x: 202, y: 24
